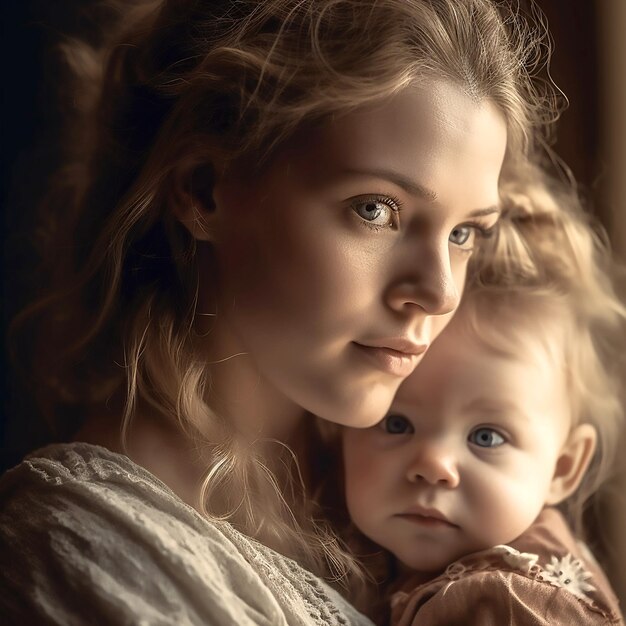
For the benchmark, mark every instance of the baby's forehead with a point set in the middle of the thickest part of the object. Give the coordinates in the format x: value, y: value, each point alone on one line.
x: 509, y: 366
x: 511, y: 325
x: 487, y: 349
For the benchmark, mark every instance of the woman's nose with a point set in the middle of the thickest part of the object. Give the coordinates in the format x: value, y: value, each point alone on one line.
x: 430, y: 285
x: 434, y: 464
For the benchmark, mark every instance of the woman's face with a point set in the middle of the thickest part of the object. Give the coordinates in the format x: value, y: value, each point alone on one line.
x: 340, y: 264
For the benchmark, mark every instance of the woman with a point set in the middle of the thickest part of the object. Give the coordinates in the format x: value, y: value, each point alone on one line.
x: 269, y: 213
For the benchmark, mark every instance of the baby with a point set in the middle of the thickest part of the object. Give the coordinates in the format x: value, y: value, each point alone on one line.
x: 510, y: 414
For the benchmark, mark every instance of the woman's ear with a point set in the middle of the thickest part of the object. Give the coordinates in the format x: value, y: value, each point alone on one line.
x: 572, y: 463
x: 193, y: 201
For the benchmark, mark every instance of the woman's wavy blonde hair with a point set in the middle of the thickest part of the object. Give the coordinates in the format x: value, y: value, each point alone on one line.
x: 175, y: 91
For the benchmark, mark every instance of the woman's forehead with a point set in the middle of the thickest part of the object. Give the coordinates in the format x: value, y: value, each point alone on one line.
x: 413, y: 140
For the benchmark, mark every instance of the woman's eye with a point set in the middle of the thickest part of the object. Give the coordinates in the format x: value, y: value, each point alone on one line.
x: 396, y: 424
x: 376, y: 211
x: 486, y: 438
x: 461, y: 235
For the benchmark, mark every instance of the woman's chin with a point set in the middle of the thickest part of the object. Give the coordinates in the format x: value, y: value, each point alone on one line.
x: 360, y: 412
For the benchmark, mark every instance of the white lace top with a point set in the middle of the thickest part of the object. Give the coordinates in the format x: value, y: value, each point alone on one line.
x: 89, y: 537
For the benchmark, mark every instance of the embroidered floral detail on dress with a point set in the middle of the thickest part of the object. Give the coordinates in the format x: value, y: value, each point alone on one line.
x: 569, y: 573
x: 523, y: 561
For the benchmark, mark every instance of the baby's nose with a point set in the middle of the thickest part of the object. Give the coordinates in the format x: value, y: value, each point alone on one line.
x: 434, y: 464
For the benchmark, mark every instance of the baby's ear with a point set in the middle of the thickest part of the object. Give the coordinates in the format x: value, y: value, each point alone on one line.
x: 572, y: 463
x: 192, y: 199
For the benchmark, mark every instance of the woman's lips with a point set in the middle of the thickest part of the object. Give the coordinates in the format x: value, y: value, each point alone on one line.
x: 395, y: 362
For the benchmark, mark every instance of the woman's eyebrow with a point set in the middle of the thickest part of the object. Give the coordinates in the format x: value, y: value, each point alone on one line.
x: 411, y: 187
x: 490, y: 210
x: 405, y: 183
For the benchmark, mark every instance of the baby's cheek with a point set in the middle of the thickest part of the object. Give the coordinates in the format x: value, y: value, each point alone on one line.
x: 512, y: 509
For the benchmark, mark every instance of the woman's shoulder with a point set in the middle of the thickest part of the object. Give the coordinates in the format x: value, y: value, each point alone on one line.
x: 74, y: 462
x: 86, y: 532
x: 85, y: 479
x: 85, y: 529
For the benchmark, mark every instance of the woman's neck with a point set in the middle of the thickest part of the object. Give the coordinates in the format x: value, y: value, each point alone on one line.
x: 158, y: 444
x: 237, y: 390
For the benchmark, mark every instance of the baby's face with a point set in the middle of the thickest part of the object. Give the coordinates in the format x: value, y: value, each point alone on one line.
x: 465, y: 458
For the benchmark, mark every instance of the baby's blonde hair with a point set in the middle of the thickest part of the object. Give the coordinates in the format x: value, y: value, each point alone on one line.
x: 176, y: 92
x: 551, y: 275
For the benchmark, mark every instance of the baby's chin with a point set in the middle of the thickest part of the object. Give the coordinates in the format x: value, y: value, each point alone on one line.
x: 427, y: 563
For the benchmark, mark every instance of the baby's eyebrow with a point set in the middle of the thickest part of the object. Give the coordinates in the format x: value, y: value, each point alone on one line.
x: 496, y: 405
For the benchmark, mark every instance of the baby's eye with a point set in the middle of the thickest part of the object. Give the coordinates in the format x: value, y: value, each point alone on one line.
x: 396, y: 424
x: 376, y: 211
x: 486, y: 438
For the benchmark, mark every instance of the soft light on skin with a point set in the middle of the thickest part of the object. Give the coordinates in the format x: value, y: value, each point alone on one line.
x: 489, y: 494
x: 302, y: 276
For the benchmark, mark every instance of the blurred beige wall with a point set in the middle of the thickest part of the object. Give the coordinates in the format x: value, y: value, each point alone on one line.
x: 612, y: 61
